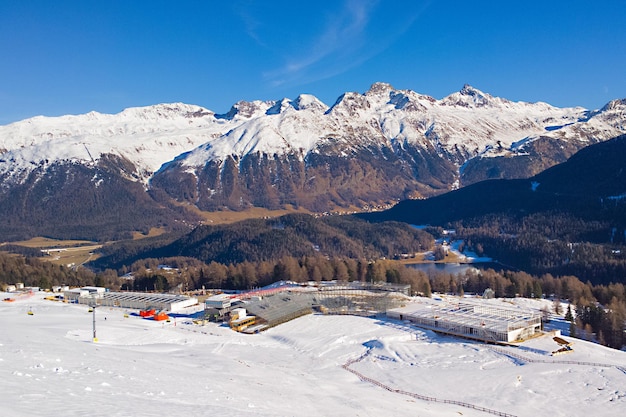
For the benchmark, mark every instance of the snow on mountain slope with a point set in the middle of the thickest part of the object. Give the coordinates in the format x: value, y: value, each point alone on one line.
x: 463, y: 125
x: 286, y: 126
x: 147, y: 136
x: 601, y: 124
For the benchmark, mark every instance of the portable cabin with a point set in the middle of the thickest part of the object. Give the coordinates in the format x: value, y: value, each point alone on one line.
x: 160, y: 316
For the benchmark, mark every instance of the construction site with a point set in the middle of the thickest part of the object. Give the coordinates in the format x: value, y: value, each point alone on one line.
x: 258, y: 310
x: 359, y: 298
x: 269, y: 307
x: 473, y: 319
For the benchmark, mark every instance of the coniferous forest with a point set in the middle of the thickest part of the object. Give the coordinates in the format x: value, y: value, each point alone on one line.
x: 600, y: 310
x: 561, y: 235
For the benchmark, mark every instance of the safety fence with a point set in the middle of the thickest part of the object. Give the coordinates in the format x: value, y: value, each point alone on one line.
x: 533, y: 360
x: 372, y: 381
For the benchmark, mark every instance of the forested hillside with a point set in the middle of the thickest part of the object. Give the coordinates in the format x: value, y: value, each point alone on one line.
x: 102, y: 177
x: 293, y: 235
x: 570, y: 219
x: 550, y: 243
x: 98, y: 203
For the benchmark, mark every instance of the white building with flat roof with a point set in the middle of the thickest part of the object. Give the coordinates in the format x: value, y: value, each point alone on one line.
x: 135, y: 300
x: 473, y: 319
x: 219, y: 301
x: 74, y: 294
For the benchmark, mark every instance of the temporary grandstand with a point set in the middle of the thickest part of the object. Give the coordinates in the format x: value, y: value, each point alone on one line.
x: 474, y: 319
x: 285, y: 301
x: 279, y: 308
x: 360, y: 298
x: 137, y: 300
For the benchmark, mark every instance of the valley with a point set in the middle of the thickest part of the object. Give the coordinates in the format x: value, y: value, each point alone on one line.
x: 102, y: 176
x: 335, y: 208
x: 296, y: 190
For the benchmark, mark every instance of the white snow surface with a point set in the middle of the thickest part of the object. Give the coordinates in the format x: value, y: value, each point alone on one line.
x: 147, y: 136
x: 468, y: 123
x: 467, y: 255
x: 50, y: 366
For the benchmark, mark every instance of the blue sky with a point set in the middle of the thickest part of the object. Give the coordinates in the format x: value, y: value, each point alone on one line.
x: 70, y: 57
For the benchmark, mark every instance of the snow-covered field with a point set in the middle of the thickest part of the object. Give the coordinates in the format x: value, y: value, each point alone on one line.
x: 49, y: 366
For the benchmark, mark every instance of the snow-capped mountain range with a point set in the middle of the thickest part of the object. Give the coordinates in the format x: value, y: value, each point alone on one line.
x: 383, y: 145
x: 465, y: 124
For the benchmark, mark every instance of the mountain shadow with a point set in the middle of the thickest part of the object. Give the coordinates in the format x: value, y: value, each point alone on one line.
x: 591, y: 185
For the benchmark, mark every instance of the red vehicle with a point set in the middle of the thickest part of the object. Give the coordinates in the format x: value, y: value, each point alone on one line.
x: 161, y: 316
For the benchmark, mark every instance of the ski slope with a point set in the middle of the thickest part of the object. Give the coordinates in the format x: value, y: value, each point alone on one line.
x: 311, y: 366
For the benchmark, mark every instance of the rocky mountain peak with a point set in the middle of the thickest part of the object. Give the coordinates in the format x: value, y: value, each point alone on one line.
x: 468, y: 90
x: 308, y: 101
x: 380, y: 88
x: 613, y: 113
x: 468, y: 96
x: 280, y: 107
x: 350, y: 104
x: 613, y: 105
x: 247, y: 109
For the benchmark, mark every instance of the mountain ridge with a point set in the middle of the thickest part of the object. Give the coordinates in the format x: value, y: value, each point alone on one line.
x: 367, y: 149
x: 208, y: 124
x: 591, y: 181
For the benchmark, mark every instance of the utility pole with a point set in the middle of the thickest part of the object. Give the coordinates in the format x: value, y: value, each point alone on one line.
x: 95, y: 339
x: 93, y: 306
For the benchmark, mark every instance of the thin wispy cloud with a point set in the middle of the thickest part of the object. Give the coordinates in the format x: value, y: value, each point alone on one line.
x: 344, y: 32
x: 343, y: 36
x: 346, y: 42
x: 251, y: 22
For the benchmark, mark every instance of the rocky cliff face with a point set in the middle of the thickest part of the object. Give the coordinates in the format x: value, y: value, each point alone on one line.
x: 379, y: 147
x: 366, y: 149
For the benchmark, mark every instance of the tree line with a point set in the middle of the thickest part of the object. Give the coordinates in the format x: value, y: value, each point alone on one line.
x: 35, y: 272
x: 551, y: 243
x: 191, y: 274
x: 600, y: 309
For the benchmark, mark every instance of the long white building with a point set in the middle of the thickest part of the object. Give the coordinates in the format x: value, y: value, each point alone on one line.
x: 137, y: 300
x: 474, y: 319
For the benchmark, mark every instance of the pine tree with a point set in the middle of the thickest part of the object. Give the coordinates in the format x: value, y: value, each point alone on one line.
x: 545, y: 314
x: 568, y: 314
